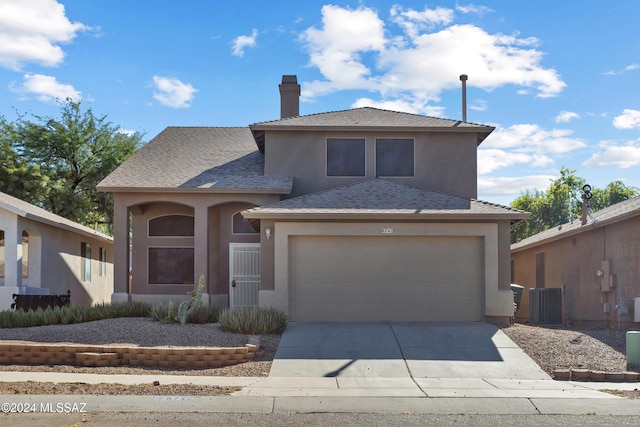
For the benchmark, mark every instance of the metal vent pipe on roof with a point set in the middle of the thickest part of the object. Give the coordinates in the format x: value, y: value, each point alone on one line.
x: 463, y: 79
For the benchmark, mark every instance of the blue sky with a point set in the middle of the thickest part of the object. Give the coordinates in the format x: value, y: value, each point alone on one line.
x: 558, y: 79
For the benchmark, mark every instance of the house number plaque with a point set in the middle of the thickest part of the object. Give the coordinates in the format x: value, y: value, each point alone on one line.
x: 386, y: 230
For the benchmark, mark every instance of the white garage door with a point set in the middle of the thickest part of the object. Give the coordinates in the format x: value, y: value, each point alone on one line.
x: 393, y: 278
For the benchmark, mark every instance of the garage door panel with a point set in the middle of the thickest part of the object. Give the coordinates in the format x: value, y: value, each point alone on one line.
x: 386, y: 278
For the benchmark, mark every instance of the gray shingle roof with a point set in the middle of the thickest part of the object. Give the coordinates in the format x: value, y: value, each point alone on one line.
x: 608, y: 215
x: 202, y: 158
x: 35, y: 213
x: 370, y: 118
x: 380, y: 197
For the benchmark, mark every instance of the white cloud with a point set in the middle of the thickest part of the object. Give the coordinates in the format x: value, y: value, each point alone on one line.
x: 401, y: 105
x: 172, y: 92
x: 336, y: 48
x: 491, y: 160
x: 512, y: 186
x: 472, y: 8
x: 478, y: 105
x: 524, y: 144
x: 31, y: 31
x: 629, y: 119
x: 412, y: 21
x: 355, y: 49
x: 632, y: 67
x: 566, y: 116
x: 618, y: 156
x: 240, y: 43
x: 531, y: 138
x: 45, y: 88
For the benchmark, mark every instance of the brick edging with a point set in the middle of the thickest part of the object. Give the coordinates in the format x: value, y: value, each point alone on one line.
x: 21, y: 353
x: 589, y: 375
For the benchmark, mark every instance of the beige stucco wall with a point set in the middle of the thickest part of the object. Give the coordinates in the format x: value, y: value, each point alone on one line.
x: 444, y: 162
x: 574, y: 261
x: 54, y: 261
x: 212, y: 222
x: 498, y: 298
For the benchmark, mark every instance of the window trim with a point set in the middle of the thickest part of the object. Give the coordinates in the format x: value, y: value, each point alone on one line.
x: 326, y: 156
x: 375, y: 157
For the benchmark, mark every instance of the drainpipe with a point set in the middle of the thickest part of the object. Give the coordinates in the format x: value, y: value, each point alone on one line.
x: 463, y: 79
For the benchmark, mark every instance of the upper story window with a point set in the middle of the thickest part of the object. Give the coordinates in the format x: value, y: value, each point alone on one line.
x: 345, y: 157
x: 171, y: 225
x: 395, y: 157
x: 240, y: 225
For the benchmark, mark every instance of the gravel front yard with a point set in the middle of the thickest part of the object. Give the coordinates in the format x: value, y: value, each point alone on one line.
x: 551, y: 348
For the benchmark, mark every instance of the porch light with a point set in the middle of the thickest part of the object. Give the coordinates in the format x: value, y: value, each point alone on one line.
x: 267, y: 232
x: 600, y: 273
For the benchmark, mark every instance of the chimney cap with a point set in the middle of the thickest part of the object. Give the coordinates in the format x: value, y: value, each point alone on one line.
x: 289, y: 79
x: 464, y: 77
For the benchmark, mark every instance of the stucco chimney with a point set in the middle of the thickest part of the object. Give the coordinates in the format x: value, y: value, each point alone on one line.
x: 289, y: 96
x: 463, y: 79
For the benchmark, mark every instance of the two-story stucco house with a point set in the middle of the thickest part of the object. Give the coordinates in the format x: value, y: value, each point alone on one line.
x: 42, y: 253
x: 362, y: 214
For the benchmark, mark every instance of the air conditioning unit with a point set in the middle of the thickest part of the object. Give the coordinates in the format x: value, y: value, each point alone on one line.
x: 545, y: 305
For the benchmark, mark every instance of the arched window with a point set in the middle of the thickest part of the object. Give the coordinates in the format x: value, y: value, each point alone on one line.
x: 171, y: 226
x: 25, y: 254
x: 241, y: 225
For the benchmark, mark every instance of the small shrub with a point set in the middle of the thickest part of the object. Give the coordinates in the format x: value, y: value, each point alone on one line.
x: 253, y: 320
x: 71, y: 314
x: 203, y: 314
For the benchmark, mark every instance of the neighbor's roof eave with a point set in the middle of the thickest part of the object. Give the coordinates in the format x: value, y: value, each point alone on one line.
x: 591, y: 225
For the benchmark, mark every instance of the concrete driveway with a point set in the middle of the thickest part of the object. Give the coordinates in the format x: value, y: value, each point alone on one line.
x: 400, y: 350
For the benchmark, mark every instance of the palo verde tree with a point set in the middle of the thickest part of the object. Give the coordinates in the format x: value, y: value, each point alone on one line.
x: 56, y: 163
x: 562, y: 203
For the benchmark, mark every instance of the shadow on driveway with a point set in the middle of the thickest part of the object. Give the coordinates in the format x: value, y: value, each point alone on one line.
x: 400, y: 349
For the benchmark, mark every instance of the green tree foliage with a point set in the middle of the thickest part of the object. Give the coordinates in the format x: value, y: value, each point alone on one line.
x: 56, y: 163
x: 562, y: 203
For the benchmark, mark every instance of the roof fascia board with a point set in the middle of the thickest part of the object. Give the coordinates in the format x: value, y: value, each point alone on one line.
x: 315, y: 216
x: 111, y: 189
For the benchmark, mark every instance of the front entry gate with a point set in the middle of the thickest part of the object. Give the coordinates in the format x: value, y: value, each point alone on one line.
x: 244, y: 274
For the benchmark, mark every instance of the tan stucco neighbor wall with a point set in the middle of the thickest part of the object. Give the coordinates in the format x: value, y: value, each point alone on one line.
x: 303, y: 155
x: 573, y: 262
x: 212, y: 234
x: 54, y: 262
x: 498, y: 301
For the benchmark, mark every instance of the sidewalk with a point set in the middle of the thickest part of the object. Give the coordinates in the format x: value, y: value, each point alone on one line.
x: 370, y: 395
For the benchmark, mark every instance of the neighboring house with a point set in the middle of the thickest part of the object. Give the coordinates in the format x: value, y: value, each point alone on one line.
x: 363, y: 214
x: 595, y: 260
x: 43, y: 253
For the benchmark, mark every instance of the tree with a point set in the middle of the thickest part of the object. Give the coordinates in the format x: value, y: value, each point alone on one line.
x: 562, y: 203
x: 57, y: 163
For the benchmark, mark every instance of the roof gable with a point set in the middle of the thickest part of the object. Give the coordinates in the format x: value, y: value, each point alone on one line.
x: 369, y: 118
